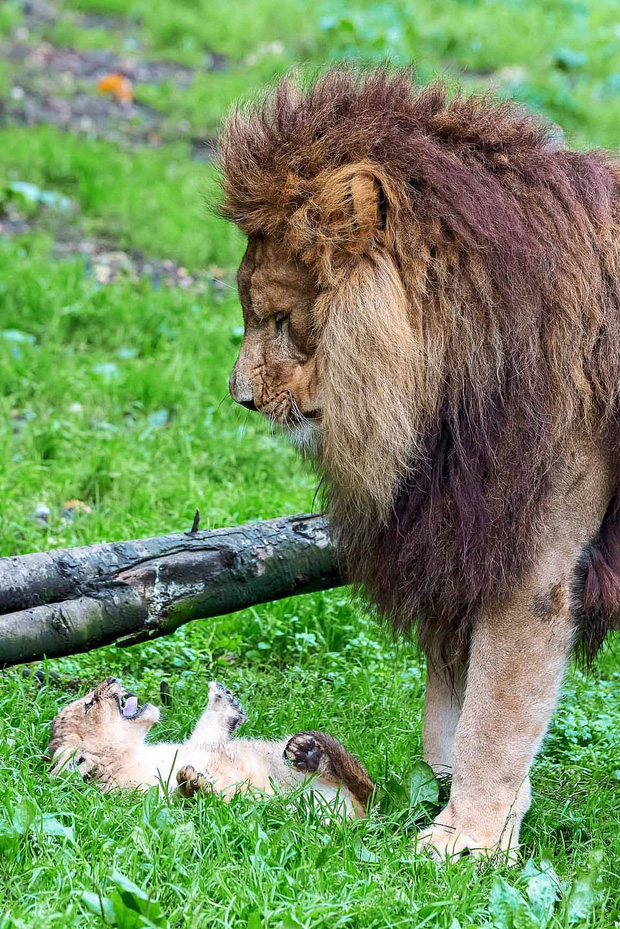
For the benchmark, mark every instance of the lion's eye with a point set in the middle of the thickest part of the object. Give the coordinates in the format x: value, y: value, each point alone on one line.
x: 282, y: 320
x: 88, y: 706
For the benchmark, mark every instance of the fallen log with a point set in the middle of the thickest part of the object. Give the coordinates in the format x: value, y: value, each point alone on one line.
x: 71, y: 600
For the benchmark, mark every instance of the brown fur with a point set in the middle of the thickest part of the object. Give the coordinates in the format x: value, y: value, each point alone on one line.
x: 320, y: 753
x: 467, y: 324
x: 93, y: 736
x: 447, y: 346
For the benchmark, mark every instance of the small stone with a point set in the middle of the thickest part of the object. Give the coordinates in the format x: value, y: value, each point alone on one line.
x: 16, y: 335
x: 107, y: 369
x: 42, y: 513
x: 158, y: 419
x: 126, y: 352
x: 103, y: 273
x: 511, y: 74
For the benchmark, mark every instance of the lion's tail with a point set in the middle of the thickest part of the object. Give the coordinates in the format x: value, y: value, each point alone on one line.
x: 320, y: 753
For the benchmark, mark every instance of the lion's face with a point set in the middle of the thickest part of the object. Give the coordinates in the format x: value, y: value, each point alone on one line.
x: 107, y: 717
x: 276, y: 371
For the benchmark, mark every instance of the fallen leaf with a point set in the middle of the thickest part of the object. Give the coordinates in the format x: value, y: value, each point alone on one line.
x: 117, y: 86
x: 71, y: 507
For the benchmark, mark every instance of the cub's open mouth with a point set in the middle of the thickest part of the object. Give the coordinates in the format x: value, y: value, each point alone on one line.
x: 128, y: 706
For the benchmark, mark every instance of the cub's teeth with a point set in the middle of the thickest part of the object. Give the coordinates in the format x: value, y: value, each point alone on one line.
x: 131, y: 706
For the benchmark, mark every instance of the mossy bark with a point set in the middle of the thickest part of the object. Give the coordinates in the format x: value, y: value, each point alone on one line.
x: 67, y: 601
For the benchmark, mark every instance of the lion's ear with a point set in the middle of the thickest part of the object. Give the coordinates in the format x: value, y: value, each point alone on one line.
x: 351, y: 200
x: 352, y: 203
x: 345, y: 213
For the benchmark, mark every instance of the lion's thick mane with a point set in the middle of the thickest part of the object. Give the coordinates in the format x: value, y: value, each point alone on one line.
x: 469, y: 322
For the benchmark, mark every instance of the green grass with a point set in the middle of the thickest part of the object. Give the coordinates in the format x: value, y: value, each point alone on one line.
x: 116, y: 395
x: 157, y: 200
x: 560, y: 57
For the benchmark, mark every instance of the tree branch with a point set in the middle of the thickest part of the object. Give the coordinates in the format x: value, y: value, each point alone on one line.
x: 66, y: 601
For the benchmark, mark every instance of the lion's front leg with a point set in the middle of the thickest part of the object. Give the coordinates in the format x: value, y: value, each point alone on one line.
x: 517, y: 661
x: 445, y: 692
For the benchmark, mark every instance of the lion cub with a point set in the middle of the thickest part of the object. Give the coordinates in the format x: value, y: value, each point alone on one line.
x: 102, y: 735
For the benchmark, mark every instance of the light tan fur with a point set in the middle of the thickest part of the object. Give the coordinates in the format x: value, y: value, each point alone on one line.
x: 93, y: 736
x: 445, y: 693
x: 513, y: 680
x: 365, y: 371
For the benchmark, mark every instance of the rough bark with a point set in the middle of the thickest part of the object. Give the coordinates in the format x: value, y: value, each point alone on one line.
x: 67, y: 601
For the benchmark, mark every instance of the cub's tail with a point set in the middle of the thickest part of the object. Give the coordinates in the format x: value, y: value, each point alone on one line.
x: 317, y: 752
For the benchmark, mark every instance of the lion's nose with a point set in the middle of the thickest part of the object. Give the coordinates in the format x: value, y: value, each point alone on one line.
x: 248, y: 404
x: 240, y: 388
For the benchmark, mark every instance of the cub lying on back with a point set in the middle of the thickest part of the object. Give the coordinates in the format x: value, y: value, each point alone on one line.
x: 102, y: 735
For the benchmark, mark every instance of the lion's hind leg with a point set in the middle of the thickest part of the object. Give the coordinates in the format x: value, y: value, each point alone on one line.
x: 313, y: 752
x: 518, y: 654
x: 222, y: 716
x: 190, y: 782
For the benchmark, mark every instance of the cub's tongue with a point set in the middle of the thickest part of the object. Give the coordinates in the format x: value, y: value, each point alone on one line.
x: 131, y: 706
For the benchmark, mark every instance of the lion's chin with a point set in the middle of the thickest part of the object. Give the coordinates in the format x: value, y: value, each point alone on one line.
x: 306, y: 437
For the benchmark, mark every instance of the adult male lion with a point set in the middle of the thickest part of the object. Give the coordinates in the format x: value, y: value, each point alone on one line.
x: 431, y: 296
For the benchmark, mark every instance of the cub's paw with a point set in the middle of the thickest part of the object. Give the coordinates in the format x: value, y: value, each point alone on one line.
x: 221, y: 700
x: 305, y: 753
x: 190, y: 782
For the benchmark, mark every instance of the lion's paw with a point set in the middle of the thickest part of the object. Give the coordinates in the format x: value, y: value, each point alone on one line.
x: 446, y: 842
x: 222, y: 700
x: 304, y: 753
x: 443, y: 843
x: 190, y: 782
